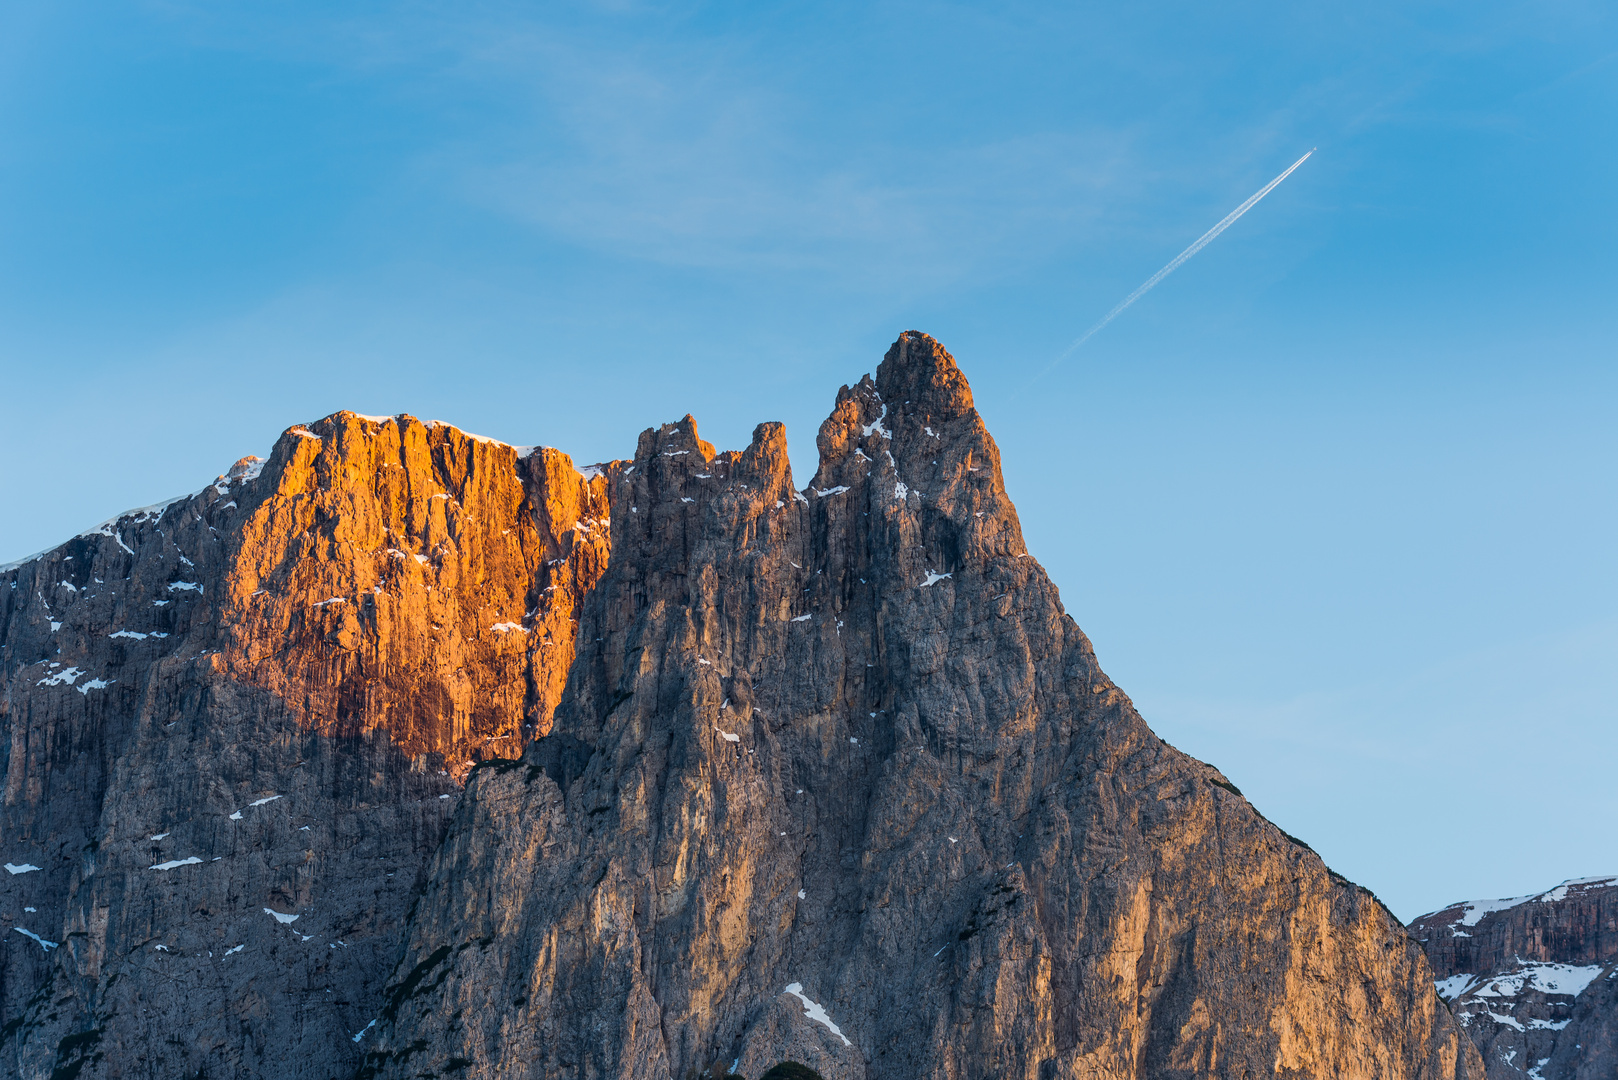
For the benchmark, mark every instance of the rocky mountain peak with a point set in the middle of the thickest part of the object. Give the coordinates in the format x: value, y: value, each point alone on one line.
x: 835, y: 780
x: 918, y: 405
x: 247, y: 468
x: 752, y: 775
x: 679, y: 439
x: 919, y: 374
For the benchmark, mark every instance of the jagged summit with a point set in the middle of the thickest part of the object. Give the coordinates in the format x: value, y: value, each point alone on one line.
x: 836, y: 780
x: 342, y: 416
x: 917, y: 371
x: 752, y: 773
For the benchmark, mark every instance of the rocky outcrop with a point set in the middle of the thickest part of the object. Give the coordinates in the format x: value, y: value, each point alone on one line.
x: 835, y: 779
x: 417, y: 581
x: 1534, y: 979
x: 233, y: 727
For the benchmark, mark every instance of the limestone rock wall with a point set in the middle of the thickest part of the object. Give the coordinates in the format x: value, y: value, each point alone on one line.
x: 408, y: 578
x: 1533, y: 979
x: 232, y: 729
x: 836, y: 779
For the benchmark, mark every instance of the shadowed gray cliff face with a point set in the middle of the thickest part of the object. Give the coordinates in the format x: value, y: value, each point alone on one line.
x: 835, y: 779
x: 1533, y: 979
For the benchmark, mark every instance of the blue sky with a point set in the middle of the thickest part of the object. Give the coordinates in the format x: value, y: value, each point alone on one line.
x: 1336, y: 501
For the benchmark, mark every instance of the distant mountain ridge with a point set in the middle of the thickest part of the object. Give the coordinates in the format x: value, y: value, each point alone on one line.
x: 1534, y: 979
x: 410, y: 753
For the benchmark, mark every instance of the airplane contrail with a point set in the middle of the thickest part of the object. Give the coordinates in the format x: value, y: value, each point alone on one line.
x: 1202, y: 241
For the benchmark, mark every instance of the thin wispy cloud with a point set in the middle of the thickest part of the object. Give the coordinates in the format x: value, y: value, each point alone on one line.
x: 683, y: 159
x: 704, y: 152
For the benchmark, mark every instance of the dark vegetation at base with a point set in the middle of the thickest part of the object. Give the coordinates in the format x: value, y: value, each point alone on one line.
x: 791, y: 1070
x: 786, y: 1070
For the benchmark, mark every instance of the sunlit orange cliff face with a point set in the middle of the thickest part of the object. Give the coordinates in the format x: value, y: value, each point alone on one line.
x: 407, y: 578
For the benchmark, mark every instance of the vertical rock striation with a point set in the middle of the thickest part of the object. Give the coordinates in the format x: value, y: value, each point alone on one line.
x: 1533, y: 979
x: 231, y: 730
x: 835, y: 779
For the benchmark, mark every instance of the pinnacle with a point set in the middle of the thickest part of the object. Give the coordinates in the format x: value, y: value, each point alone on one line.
x: 920, y: 371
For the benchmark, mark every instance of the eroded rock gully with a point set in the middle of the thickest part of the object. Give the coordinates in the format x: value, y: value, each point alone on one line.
x: 833, y: 779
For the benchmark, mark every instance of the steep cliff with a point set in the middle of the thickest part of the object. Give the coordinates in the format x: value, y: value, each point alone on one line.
x: 836, y: 780
x: 752, y: 774
x: 1534, y: 979
x: 233, y: 727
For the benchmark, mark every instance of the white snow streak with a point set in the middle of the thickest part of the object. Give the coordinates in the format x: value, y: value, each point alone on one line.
x: 1560, y: 892
x: 66, y: 675
x: 44, y: 945
x: 876, y: 425
x: 174, y: 863
x: 812, y: 1009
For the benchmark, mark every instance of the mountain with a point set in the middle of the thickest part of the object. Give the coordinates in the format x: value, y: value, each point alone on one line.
x: 406, y: 753
x: 234, y: 730
x: 1534, y: 979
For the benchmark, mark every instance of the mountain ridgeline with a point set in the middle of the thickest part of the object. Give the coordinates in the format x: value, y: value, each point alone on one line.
x: 405, y: 753
x: 1533, y: 979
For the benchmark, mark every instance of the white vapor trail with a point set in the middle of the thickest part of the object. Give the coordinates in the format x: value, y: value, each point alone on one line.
x: 1202, y: 241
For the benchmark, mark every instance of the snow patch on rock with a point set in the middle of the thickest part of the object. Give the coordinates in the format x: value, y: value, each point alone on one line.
x: 46, y: 946
x: 811, y: 1009
x: 172, y: 864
